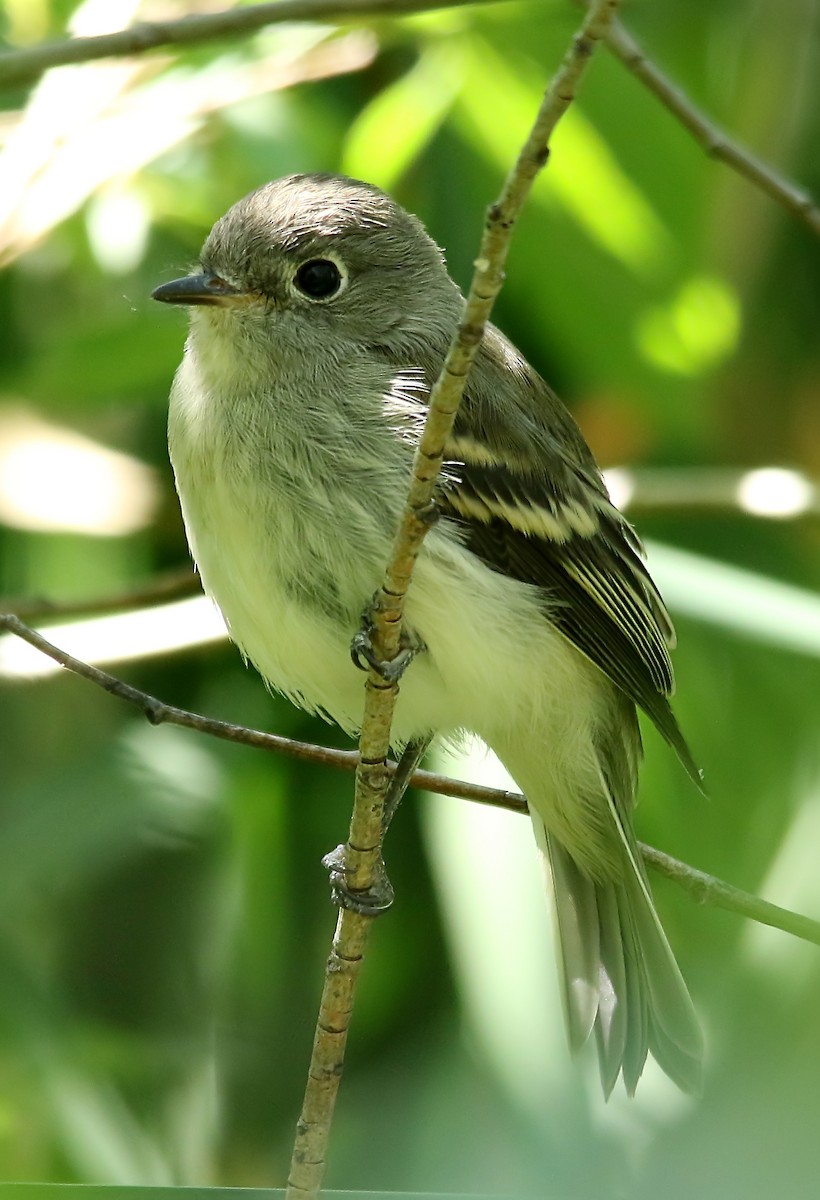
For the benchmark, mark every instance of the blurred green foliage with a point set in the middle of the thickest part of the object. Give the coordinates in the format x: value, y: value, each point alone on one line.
x: 164, y: 917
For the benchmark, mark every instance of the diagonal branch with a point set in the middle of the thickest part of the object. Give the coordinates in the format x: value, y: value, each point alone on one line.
x: 706, y: 889
x: 714, y: 140
x: 25, y: 66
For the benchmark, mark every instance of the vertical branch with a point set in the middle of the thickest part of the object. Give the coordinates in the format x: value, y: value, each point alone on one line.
x: 307, y: 1166
x: 362, y: 852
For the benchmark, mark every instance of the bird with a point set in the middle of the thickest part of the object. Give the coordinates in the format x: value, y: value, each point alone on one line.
x: 320, y: 315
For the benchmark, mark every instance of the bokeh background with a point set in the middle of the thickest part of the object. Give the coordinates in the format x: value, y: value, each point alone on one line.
x: 164, y: 917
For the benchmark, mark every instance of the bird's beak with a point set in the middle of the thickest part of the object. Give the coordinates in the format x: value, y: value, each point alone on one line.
x: 197, y: 289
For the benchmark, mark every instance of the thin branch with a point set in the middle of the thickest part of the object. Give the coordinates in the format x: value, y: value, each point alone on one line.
x: 706, y: 889
x: 485, y: 286
x: 362, y: 853
x: 24, y: 66
x: 160, y: 713
x: 714, y: 140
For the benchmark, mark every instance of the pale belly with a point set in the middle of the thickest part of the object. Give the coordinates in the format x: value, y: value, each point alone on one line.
x: 482, y: 670
x: 300, y: 649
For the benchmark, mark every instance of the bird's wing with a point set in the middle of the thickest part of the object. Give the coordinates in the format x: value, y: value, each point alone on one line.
x: 530, y: 501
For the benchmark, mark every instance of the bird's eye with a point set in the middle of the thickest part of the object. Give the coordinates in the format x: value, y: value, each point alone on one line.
x: 318, y: 278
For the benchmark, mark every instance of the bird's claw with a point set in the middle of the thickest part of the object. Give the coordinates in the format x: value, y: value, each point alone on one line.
x: 365, y: 657
x: 368, y: 902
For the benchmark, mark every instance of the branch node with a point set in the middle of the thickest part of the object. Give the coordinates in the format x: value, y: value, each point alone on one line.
x: 154, y: 711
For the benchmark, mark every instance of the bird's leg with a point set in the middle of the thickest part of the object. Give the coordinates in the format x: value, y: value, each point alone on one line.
x: 368, y: 902
x: 406, y: 767
x: 379, y: 896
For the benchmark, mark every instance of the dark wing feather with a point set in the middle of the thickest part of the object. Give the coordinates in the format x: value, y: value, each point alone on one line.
x: 535, y: 508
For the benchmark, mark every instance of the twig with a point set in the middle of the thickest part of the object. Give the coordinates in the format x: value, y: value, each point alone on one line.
x: 363, y: 849
x: 160, y: 713
x: 714, y: 140
x: 706, y: 889
x: 24, y: 66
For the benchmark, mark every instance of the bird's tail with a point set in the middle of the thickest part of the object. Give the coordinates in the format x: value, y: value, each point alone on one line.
x: 619, y: 975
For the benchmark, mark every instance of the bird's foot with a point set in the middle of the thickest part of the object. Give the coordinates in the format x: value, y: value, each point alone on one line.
x: 368, y: 902
x: 365, y: 657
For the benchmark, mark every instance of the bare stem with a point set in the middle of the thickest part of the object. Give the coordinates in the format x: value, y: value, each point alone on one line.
x: 159, y: 713
x: 714, y: 140
x: 708, y: 889
x: 485, y: 286
x: 24, y: 66
x: 363, y: 849
x: 307, y: 1166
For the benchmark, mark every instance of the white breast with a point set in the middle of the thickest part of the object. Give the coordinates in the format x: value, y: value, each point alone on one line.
x: 248, y: 543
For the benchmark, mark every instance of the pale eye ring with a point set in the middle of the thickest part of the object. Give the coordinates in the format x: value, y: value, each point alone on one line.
x: 318, y: 279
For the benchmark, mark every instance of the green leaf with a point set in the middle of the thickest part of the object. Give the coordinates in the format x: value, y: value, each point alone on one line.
x: 584, y: 176
x: 392, y: 130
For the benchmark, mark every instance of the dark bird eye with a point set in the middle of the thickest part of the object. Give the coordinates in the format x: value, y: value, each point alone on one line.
x: 318, y: 278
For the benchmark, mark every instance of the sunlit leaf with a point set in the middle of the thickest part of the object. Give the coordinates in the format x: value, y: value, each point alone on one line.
x: 393, y: 129
x: 696, y: 331
x: 584, y: 176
